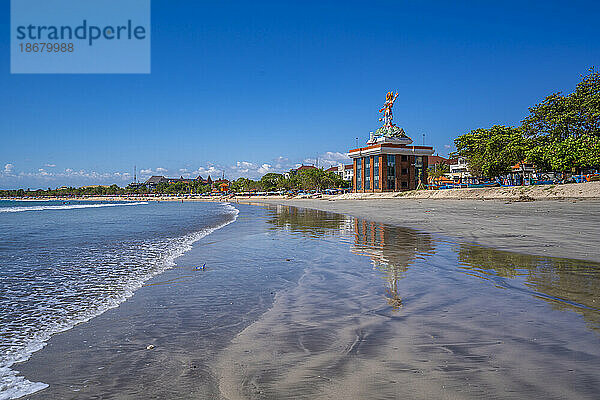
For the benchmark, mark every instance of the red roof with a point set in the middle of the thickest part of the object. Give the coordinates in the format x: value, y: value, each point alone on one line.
x: 305, y: 167
x: 434, y: 160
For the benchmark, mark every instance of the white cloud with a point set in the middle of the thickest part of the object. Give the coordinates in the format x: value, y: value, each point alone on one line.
x: 155, y: 171
x: 211, y: 170
x: 70, y: 177
x: 48, y: 176
x: 281, y: 162
x: 265, y: 168
x: 447, y: 146
x: 328, y: 159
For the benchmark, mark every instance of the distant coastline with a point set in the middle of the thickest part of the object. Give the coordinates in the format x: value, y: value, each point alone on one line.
x: 582, y: 191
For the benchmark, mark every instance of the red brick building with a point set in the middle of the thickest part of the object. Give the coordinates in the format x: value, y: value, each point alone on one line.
x: 389, y: 164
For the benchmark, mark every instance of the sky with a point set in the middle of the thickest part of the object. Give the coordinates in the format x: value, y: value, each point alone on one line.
x: 246, y: 88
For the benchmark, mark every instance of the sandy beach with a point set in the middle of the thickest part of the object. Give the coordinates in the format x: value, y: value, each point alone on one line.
x: 556, y: 228
x: 299, y: 303
x: 547, y: 220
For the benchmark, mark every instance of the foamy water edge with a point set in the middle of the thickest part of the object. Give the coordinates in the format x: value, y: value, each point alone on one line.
x: 13, y: 386
x: 67, y: 206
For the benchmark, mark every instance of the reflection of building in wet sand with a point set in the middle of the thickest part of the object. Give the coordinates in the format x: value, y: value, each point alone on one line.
x: 566, y: 284
x: 392, y: 250
x: 312, y: 223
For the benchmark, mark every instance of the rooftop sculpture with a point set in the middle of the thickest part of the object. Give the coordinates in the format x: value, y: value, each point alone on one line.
x: 389, y: 129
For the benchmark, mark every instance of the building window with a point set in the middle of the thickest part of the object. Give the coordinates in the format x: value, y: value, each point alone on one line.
x: 404, y: 184
x: 404, y: 171
x: 404, y: 158
x: 391, y: 171
x: 358, y: 174
x: 376, y: 172
x: 367, y: 173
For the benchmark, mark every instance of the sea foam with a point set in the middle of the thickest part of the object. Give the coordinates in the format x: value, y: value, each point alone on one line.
x: 162, y: 254
x: 67, y: 206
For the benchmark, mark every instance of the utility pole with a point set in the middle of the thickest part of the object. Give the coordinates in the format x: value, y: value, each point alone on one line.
x: 134, y: 174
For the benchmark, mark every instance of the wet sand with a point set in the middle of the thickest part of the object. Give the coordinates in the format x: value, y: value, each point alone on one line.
x: 554, y: 228
x: 305, y: 304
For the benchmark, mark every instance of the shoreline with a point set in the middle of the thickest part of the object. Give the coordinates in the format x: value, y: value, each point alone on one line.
x: 576, y: 191
x: 552, y: 228
x: 273, y: 324
x: 515, y: 219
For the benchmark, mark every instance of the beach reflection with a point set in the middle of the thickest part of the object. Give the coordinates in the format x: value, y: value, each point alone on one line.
x: 392, y: 251
x: 389, y: 312
x: 566, y: 284
x: 311, y: 223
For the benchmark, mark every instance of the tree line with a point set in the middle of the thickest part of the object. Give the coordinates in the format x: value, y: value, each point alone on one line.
x: 312, y: 179
x: 560, y: 134
x: 112, y: 190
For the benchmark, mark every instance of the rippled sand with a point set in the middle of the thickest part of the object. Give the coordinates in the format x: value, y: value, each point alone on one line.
x: 300, y: 304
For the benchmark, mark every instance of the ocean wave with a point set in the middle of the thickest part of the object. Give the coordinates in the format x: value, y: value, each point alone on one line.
x: 68, y: 206
x: 13, y: 386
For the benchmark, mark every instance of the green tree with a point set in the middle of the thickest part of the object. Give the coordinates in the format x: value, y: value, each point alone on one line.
x: 577, y: 153
x: 565, y: 130
x: 243, y: 185
x: 438, y: 170
x: 491, y: 152
x: 318, y: 179
x: 270, y: 181
x: 559, y: 117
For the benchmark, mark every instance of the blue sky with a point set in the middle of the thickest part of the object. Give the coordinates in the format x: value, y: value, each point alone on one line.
x: 250, y: 87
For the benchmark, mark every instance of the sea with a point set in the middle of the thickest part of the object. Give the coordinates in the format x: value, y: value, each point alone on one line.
x: 63, y: 263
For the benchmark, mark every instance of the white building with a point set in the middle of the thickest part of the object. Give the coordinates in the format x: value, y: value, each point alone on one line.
x: 459, y: 170
x: 346, y: 172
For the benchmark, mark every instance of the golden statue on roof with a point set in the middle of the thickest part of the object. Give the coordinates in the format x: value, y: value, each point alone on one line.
x: 390, y: 98
x: 388, y: 128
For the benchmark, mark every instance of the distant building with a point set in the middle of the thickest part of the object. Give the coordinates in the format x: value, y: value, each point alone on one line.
x: 180, y: 179
x: 346, y: 172
x: 207, y: 181
x: 304, y: 168
x: 389, y: 164
x: 154, y: 180
x: 436, y: 160
x: 296, y: 171
x: 221, y: 185
x: 459, y: 170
